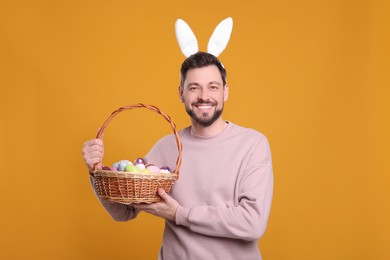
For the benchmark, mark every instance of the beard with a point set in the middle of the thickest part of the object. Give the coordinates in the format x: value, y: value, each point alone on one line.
x: 204, y: 120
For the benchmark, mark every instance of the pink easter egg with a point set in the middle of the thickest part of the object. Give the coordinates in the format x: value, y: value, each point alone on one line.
x: 153, y: 168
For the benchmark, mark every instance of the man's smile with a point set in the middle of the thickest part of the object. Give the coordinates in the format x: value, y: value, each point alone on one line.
x: 203, y: 107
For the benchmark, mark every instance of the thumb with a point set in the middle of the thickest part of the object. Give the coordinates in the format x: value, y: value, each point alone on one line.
x: 163, y: 194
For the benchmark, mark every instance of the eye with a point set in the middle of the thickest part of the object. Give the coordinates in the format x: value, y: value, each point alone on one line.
x: 193, y: 88
x: 214, y: 87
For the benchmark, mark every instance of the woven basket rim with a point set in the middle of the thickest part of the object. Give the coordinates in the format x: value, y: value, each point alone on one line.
x: 134, y: 175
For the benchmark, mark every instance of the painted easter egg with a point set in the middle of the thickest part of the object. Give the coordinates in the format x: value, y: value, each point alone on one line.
x: 165, y: 169
x: 140, y: 161
x: 153, y: 168
x: 132, y: 168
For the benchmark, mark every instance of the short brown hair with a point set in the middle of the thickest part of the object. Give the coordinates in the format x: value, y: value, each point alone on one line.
x: 200, y: 60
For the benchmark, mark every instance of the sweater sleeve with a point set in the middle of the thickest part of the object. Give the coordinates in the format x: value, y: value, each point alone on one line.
x: 247, y: 220
x: 119, y: 212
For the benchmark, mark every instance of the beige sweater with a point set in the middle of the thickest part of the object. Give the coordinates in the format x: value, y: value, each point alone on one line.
x: 224, y: 191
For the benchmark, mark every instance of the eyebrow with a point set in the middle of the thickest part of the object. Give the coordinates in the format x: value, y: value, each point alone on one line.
x: 215, y: 82
x: 198, y: 84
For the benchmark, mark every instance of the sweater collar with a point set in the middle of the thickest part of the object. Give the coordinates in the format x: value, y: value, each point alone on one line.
x: 193, y: 137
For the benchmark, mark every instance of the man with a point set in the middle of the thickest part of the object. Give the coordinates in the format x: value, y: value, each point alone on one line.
x: 219, y: 207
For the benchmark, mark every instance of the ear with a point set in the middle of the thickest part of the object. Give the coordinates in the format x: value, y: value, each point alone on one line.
x: 186, y: 38
x: 226, y: 93
x: 181, y: 94
x: 220, y: 37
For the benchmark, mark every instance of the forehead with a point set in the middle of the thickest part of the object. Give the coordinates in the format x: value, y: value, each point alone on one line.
x: 203, y: 75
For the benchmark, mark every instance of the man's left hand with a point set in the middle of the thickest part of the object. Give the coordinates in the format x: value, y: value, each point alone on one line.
x: 166, y: 208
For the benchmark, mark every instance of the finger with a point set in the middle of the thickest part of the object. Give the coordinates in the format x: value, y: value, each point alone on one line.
x: 92, y: 161
x: 163, y: 194
x: 142, y: 206
x: 94, y: 166
x: 93, y: 142
x: 95, y: 148
x: 93, y: 155
x: 92, y: 147
x: 97, y: 166
x: 89, y: 143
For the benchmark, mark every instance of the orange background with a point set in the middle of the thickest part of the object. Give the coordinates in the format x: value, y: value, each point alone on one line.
x: 313, y: 76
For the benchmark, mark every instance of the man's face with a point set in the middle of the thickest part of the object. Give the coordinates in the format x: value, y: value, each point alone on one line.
x: 203, y: 95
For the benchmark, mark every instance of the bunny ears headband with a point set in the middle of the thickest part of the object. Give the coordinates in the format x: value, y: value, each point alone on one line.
x: 217, y: 43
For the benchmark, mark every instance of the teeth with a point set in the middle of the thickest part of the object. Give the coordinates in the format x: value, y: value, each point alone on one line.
x: 204, y: 107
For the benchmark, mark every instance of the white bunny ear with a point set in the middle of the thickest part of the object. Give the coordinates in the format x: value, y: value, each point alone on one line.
x: 220, y: 37
x: 186, y: 38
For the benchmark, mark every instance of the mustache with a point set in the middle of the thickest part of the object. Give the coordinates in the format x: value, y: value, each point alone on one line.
x: 203, y: 102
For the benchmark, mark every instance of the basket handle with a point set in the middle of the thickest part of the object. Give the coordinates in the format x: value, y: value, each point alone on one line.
x: 154, y: 109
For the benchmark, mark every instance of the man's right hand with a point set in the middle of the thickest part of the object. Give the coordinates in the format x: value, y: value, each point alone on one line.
x: 93, y: 151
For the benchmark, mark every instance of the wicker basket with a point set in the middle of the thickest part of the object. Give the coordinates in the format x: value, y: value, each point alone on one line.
x: 131, y: 188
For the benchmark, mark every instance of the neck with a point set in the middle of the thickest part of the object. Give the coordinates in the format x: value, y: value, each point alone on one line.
x: 209, y: 131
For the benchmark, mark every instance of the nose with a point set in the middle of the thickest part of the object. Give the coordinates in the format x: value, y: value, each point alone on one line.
x: 204, y: 95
